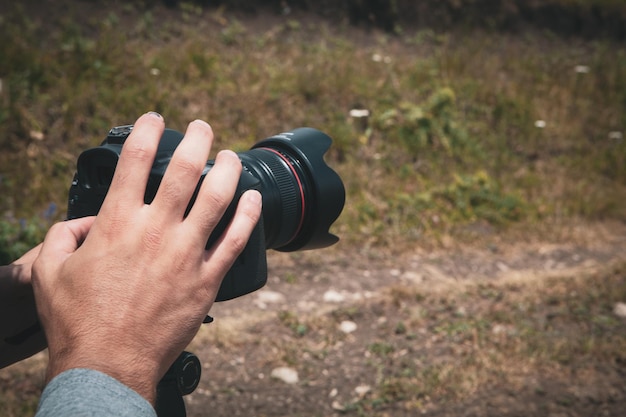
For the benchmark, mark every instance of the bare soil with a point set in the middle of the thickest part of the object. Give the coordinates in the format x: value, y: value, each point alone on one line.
x: 293, y: 322
x: 408, y: 353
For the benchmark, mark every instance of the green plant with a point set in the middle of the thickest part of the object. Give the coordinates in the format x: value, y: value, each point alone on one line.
x: 291, y: 320
x: 424, y: 128
x: 17, y: 237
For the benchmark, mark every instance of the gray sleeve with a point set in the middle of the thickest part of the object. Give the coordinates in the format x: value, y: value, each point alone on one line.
x: 89, y: 393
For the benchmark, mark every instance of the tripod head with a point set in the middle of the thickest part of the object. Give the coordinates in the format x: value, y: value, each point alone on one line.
x: 181, y: 379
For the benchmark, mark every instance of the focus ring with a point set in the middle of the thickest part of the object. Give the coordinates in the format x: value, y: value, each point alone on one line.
x: 289, y: 207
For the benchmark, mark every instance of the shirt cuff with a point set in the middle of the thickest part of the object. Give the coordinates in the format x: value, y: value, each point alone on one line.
x: 86, y: 392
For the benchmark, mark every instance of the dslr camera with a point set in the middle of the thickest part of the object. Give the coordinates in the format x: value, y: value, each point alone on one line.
x: 302, y: 195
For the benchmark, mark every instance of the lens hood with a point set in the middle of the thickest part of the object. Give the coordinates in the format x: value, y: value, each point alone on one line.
x: 322, y: 188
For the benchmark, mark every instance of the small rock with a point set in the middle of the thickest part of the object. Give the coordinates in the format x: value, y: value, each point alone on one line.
x: 332, y: 296
x: 336, y: 405
x: 413, y: 277
x: 265, y: 297
x: 620, y: 310
x: 502, y: 266
x: 287, y: 375
x: 347, y: 326
x: 37, y: 135
x: 582, y: 69
x: 503, y: 329
x: 361, y: 390
x: 270, y: 297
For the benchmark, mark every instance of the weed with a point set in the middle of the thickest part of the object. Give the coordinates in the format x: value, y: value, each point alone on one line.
x: 381, y: 348
x: 425, y: 128
x: 291, y: 278
x: 291, y: 320
x: 18, y: 236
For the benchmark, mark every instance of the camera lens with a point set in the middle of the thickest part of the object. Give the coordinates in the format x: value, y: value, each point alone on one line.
x: 302, y: 196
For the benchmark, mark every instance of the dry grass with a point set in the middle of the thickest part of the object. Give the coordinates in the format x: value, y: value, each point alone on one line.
x: 545, y: 340
x: 469, y: 136
x: 464, y: 129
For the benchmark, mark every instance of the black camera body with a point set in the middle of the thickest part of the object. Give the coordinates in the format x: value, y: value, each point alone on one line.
x: 302, y: 196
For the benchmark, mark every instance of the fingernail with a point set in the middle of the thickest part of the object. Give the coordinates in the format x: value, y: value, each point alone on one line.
x: 202, y: 122
x: 227, y: 152
x: 153, y: 113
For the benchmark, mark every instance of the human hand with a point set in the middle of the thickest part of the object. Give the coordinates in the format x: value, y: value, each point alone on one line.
x: 126, y: 298
x: 20, y: 333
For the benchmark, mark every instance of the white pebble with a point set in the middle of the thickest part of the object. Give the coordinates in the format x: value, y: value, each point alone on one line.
x: 361, y: 390
x: 620, y: 310
x: 287, y: 375
x: 347, y: 326
x: 332, y: 296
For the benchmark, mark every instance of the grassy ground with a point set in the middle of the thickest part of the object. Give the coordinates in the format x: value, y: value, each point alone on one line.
x: 471, y: 134
x: 465, y: 128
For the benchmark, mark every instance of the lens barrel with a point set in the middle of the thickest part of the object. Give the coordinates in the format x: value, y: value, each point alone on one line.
x: 302, y: 195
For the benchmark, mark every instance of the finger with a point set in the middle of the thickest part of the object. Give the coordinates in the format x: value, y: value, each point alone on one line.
x: 221, y: 256
x: 61, y: 241
x: 214, y: 196
x: 128, y: 186
x: 65, y: 237
x: 184, y: 171
x: 29, y: 256
x: 24, y: 266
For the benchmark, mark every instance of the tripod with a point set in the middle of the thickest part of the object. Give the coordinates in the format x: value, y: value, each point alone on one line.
x: 181, y: 378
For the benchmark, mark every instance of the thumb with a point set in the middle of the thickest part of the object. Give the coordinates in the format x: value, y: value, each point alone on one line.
x: 65, y: 237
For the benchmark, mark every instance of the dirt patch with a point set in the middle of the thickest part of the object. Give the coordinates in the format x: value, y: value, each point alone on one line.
x: 427, y: 333
x: 498, y: 328
x: 316, y: 280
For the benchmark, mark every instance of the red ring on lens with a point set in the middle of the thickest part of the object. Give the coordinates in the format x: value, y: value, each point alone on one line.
x: 300, y: 187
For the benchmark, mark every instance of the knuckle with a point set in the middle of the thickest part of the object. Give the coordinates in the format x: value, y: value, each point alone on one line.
x: 237, y: 243
x: 56, y: 228
x: 137, y: 151
x: 219, y: 199
x: 215, y: 200
x: 186, y: 166
x: 170, y: 191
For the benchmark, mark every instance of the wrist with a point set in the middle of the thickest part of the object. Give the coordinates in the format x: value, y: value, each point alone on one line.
x: 132, y: 372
